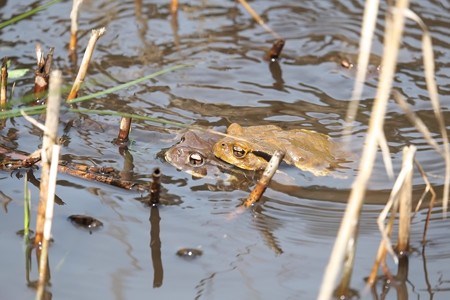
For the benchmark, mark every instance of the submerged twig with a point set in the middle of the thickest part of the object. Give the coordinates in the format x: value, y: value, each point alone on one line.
x: 96, y: 34
x: 264, y: 181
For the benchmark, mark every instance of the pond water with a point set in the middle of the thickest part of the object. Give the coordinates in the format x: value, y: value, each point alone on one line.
x: 280, y: 247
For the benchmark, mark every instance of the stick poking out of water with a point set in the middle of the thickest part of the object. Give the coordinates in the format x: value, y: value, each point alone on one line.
x: 74, y: 25
x: 96, y: 34
x: 264, y: 181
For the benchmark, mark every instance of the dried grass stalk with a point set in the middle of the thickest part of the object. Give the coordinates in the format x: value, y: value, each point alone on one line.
x: 258, y: 19
x: 405, y: 203
x: 365, y: 44
x: 349, y: 225
x: 428, y: 61
x: 173, y: 7
x: 50, y: 135
x: 50, y: 160
x: 96, y: 34
x: 74, y: 25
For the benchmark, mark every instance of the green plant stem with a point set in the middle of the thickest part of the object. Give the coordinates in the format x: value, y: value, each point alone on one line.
x: 27, y: 14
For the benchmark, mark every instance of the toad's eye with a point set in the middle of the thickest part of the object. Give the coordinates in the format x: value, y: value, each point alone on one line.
x: 196, y: 160
x: 239, y: 152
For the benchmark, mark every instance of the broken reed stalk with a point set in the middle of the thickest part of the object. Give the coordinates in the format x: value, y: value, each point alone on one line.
x: 365, y: 44
x: 428, y: 62
x: 43, y: 260
x: 50, y: 136
x: 350, y: 221
x: 74, y: 25
x: 42, y: 73
x: 124, y: 130
x: 394, y: 201
x: 429, y: 188
x: 264, y: 181
x: 174, y: 7
x: 50, y: 159
x: 96, y: 34
x: 258, y: 19
x: 155, y: 187
x: 3, y: 84
x: 405, y: 208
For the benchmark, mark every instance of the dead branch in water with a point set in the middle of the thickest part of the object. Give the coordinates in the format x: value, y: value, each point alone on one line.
x: 96, y: 34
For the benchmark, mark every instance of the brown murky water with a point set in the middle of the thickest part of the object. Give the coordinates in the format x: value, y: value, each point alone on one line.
x: 280, y: 248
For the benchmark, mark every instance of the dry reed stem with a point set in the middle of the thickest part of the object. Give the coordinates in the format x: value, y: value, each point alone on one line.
x: 74, y: 13
x: 124, y: 130
x: 428, y: 61
x: 264, y: 181
x: 96, y: 34
x: 173, y: 7
x: 416, y: 121
x: 350, y: 221
x: 405, y: 199
x: 429, y: 188
x: 3, y: 84
x: 365, y: 44
x: 43, y: 265
x: 382, y: 142
x: 50, y: 135
x: 258, y: 19
x: 407, y: 167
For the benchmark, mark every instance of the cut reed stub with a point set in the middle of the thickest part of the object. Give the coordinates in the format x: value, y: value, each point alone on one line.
x: 155, y: 187
x: 3, y: 81
x: 42, y: 73
x: 124, y: 130
x: 274, y: 53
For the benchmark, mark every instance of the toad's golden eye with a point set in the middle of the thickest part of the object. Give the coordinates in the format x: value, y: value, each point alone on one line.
x: 239, y: 152
x: 196, y: 160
